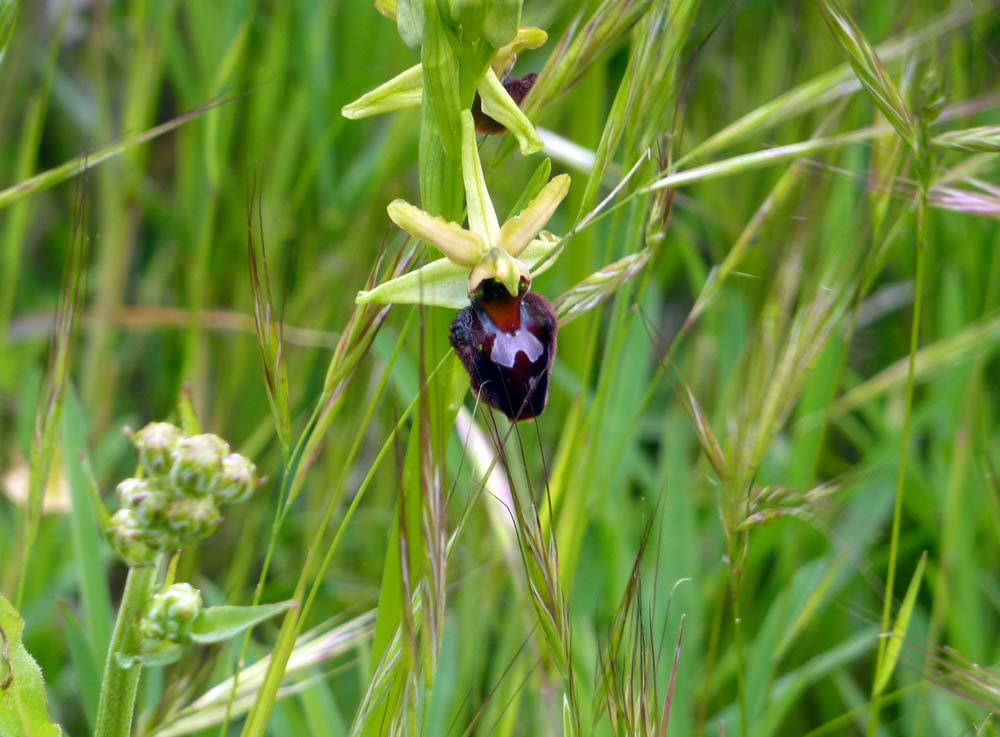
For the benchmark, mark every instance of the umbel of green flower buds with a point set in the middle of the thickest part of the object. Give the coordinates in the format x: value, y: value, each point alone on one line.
x: 177, y: 502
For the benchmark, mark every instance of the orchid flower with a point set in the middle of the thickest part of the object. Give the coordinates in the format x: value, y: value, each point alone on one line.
x: 406, y: 90
x: 484, y: 250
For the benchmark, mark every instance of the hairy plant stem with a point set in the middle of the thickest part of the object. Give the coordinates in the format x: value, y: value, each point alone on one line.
x: 120, y: 684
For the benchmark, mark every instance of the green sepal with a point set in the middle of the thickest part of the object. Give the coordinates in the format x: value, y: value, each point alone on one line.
x: 443, y: 284
x: 405, y: 90
x: 410, y: 21
x: 218, y: 623
x: 482, y: 216
x: 23, y: 709
x: 439, y: 284
x: 499, y: 105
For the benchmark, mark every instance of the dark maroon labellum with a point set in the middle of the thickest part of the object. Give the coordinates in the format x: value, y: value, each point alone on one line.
x: 507, y: 345
x: 518, y: 89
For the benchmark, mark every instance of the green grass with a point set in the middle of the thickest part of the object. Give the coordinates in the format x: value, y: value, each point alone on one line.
x: 778, y: 401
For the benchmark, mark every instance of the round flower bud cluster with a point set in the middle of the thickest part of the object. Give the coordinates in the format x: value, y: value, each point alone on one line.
x: 186, y: 479
x: 169, y: 616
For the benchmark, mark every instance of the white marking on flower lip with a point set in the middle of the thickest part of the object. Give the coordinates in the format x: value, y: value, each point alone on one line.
x: 506, y: 346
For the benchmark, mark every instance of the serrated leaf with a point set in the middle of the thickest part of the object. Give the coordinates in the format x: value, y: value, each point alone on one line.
x: 23, y: 710
x: 218, y: 623
x: 499, y: 105
x: 518, y: 232
x: 460, y: 246
x: 405, y: 90
x: 890, y: 655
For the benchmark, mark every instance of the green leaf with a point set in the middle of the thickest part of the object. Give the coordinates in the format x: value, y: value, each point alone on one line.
x: 23, y: 712
x: 165, y: 653
x: 890, y: 657
x: 502, y: 20
x: 539, y: 178
x: 218, y: 623
x: 405, y: 90
x: 441, y: 82
x: 499, y: 105
x: 467, y: 17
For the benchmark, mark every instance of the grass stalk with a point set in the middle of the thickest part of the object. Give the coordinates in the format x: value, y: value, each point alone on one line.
x: 897, y: 512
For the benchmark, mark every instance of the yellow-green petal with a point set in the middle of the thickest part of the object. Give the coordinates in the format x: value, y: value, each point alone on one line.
x: 504, y: 268
x: 499, y: 105
x: 518, y: 232
x: 405, y: 90
x: 526, y: 38
x: 459, y: 245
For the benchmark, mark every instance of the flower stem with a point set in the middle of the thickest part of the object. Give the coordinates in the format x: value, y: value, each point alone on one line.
x: 120, y: 684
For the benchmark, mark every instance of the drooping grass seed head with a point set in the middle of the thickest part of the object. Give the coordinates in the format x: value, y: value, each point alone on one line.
x: 155, y: 445
x: 237, y: 479
x: 196, y: 463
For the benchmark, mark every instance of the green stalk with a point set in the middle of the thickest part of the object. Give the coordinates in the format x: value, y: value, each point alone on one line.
x: 120, y: 684
x: 897, y: 512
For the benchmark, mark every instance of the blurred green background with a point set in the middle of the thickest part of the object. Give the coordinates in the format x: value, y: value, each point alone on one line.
x: 168, y: 304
